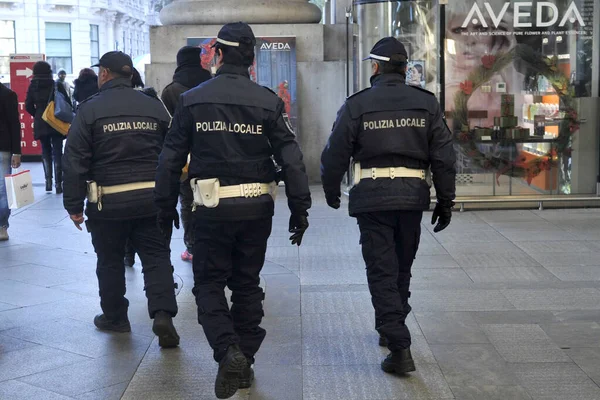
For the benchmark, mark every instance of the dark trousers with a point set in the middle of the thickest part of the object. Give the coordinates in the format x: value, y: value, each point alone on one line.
x: 52, y: 156
x: 109, y: 239
x: 390, y: 240
x: 187, y: 217
x: 232, y: 254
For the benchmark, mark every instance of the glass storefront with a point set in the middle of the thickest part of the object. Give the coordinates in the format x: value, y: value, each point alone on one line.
x: 518, y: 81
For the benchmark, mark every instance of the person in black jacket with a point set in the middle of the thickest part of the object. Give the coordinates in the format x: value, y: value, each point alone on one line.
x: 39, y: 91
x: 394, y: 133
x: 188, y: 75
x: 114, y: 143
x: 232, y: 127
x: 86, y: 85
x: 10, y: 149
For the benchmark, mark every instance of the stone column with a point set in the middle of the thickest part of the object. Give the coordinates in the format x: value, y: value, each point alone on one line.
x: 219, y: 12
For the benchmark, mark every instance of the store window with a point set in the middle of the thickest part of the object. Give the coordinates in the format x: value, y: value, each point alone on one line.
x: 94, y: 44
x: 7, y: 45
x: 518, y: 76
x: 58, y: 46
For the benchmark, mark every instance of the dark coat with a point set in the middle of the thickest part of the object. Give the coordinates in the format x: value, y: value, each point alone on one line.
x: 185, y: 78
x: 10, y: 126
x: 115, y: 139
x: 391, y: 125
x: 85, y: 87
x: 232, y: 127
x: 36, y: 102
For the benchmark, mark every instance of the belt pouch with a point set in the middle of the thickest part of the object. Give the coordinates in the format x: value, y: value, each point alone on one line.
x: 209, y: 192
x: 92, y: 191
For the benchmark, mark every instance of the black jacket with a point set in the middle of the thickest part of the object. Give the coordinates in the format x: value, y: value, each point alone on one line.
x: 85, y: 87
x: 185, y: 78
x: 391, y: 125
x: 232, y: 127
x: 36, y: 101
x: 10, y: 126
x: 116, y: 138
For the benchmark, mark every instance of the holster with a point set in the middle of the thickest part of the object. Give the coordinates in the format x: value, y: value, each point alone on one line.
x: 92, y: 191
x: 206, y: 192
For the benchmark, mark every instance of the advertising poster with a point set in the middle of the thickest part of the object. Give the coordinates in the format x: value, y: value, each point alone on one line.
x: 21, y: 73
x: 274, y: 67
x: 415, y: 73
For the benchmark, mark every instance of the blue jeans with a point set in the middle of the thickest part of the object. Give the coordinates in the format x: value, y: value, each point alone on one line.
x: 5, y: 169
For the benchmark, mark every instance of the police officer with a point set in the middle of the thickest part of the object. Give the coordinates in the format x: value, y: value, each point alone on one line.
x: 114, y: 144
x: 394, y: 133
x: 232, y: 127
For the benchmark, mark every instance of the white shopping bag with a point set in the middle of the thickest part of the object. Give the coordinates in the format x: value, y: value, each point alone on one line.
x: 19, y: 189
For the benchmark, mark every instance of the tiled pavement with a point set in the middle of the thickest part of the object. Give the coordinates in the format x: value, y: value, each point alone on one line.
x: 506, y: 306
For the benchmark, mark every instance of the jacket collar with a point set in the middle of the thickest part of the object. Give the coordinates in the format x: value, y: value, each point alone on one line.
x: 233, y: 69
x: 116, y: 82
x: 387, y: 79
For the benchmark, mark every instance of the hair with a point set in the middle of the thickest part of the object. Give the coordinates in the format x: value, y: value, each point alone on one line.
x: 136, y: 79
x: 86, y: 72
x: 242, y: 56
x: 419, y: 68
x: 395, y: 67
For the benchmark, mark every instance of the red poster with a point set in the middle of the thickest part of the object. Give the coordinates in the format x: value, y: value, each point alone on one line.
x: 21, y: 72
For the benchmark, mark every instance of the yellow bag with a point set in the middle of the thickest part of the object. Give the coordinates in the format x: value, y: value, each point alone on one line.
x: 58, y: 125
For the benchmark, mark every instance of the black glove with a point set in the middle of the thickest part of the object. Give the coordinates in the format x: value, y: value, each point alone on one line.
x: 165, y: 220
x: 442, y: 215
x: 298, y: 225
x: 333, y: 200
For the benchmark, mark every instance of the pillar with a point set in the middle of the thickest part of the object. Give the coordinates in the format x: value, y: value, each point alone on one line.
x: 219, y: 12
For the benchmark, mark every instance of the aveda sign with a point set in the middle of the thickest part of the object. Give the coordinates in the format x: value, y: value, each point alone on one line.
x: 522, y: 15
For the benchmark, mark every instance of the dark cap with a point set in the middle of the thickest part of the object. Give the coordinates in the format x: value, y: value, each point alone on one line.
x: 188, y: 55
x: 236, y: 34
x: 116, y: 61
x: 388, y: 48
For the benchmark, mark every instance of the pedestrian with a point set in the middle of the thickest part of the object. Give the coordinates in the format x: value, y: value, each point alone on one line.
x: 113, y: 145
x: 62, y: 80
x: 10, y: 149
x: 394, y: 133
x: 41, y: 87
x: 232, y: 127
x: 86, y: 85
x: 188, y: 74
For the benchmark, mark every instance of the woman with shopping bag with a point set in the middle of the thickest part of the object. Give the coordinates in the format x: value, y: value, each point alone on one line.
x: 40, y: 92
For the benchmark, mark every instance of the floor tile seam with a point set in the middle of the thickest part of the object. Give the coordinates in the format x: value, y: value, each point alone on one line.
x: 40, y: 387
x: 133, y: 374
x: 25, y: 209
x: 89, y: 358
x: 50, y: 369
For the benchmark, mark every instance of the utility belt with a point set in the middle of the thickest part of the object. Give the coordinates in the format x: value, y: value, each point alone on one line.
x: 96, y: 192
x: 386, y: 172
x: 208, y: 192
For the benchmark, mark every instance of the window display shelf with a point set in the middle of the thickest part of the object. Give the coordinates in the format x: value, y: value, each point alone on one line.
x: 548, y: 122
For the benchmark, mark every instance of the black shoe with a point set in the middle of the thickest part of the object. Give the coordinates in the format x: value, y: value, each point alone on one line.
x: 399, y: 362
x: 383, y: 342
x: 247, y: 377
x: 104, y: 324
x: 129, y: 261
x: 59, y: 189
x: 230, y: 372
x: 49, y: 185
x: 164, y: 329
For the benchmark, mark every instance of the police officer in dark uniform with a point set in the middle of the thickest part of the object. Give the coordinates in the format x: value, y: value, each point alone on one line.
x: 111, y: 156
x: 394, y: 133
x: 232, y: 127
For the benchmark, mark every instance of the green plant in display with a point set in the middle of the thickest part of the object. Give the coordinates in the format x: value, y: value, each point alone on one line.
x: 541, y: 65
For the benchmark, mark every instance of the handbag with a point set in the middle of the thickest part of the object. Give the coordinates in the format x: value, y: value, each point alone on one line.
x: 58, y: 113
x: 19, y: 189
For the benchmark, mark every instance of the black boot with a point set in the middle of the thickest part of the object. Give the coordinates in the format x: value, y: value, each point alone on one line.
x: 399, y: 362
x: 247, y: 376
x: 48, y: 174
x: 104, y: 324
x: 58, y: 175
x: 230, y: 371
x: 164, y: 329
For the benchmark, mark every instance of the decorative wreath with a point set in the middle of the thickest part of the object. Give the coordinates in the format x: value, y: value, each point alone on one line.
x: 492, y: 64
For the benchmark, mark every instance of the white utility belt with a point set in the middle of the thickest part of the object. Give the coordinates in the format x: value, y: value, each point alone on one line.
x: 208, y: 192
x: 95, y: 192
x: 386, y: 172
